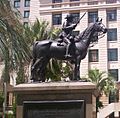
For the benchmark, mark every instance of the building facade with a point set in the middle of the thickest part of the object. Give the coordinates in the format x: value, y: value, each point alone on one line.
x: 105, y: 55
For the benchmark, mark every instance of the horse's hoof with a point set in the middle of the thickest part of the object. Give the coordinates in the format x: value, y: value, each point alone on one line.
x: 83, y: 80
x: 31, y: 78
x: 68, y: 56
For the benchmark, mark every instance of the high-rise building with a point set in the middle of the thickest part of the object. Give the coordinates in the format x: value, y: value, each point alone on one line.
x: 24, y: 7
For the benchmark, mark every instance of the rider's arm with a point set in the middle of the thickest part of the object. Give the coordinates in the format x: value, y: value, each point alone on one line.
x: 69, y: 27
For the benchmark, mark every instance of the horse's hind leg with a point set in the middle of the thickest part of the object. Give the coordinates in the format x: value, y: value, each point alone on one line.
x: 76, y: 74
x: 41, y: 75
x: 42, y: 69
x: 34, y: 69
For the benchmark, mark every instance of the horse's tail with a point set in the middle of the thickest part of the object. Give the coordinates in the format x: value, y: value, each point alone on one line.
x: 34, y: 50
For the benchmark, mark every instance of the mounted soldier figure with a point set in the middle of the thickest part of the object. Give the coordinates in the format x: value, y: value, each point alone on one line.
x: 66, y: 34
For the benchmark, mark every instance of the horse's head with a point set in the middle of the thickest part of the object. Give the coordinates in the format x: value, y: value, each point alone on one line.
x: 93, y: 32
x: 98, y: 29
x: 98, y: 26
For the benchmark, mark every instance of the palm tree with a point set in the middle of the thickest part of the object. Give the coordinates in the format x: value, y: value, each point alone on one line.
x: 13, y: 46
x: 104, y: 83
x: 40, y: 30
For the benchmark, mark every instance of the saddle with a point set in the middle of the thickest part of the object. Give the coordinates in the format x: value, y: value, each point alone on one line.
x: 61, y: 40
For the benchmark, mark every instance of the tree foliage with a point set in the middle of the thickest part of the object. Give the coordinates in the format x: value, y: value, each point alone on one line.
x: 104, y: 84
x: 40, y: 30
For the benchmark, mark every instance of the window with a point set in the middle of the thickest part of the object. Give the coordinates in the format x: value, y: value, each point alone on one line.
x: 74, y: 0
x: 76, y: 17
x: 26, y: 14
x: 56, y: 1
x: 113, y: 97
x: 92, y: 16
x: 57, y: 19
x: 93, y: 55
x: 113, y: 54
x: 74, y: 4
x: 92, y: 2
x: 111, y: 1
x: 25, y: 24
x: 27, y: 3
x: 113, y: 73
x: 111, y: 15
x: 112, y: 34
x: 17, y: 3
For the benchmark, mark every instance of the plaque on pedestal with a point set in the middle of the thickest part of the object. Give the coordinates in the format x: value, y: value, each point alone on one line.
x: 54, y: 109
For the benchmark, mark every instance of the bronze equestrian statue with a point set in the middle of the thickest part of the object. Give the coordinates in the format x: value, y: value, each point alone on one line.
x: 44, y: 50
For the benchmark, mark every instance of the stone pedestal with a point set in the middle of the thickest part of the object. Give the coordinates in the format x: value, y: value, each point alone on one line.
x: 75, y: 97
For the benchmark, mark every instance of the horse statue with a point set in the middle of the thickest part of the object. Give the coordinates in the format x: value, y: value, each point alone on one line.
x: 44, y: 50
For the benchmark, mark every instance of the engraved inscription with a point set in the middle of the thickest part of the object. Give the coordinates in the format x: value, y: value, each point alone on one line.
x: 54, y: 109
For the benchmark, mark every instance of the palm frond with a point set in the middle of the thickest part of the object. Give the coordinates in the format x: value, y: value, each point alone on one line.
x: 13, y: 45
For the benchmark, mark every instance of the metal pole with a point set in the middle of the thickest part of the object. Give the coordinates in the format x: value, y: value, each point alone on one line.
x: 5, y: 95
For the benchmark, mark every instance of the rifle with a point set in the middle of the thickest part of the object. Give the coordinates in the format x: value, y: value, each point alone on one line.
x: 80, y: 19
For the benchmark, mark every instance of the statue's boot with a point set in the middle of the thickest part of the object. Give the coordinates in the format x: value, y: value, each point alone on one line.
x: 67, y: 50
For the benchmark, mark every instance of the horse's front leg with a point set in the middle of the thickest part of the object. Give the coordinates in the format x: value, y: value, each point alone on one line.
x: 77, y: 69
x: 34, y: 67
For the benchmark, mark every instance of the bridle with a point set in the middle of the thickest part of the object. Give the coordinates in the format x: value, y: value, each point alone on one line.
x: 98, y: 34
